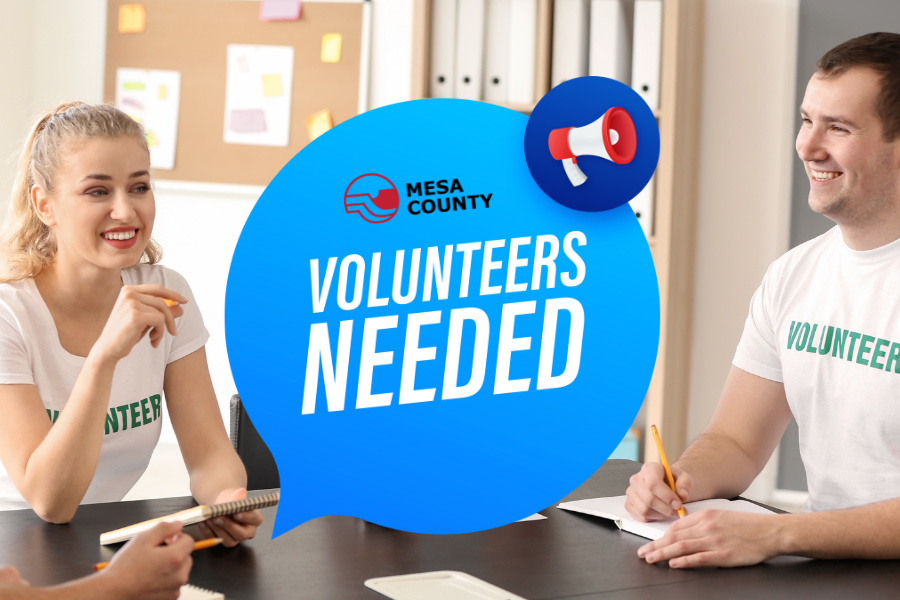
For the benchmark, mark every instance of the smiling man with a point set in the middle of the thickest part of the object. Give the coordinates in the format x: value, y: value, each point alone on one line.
x: 821, y: 343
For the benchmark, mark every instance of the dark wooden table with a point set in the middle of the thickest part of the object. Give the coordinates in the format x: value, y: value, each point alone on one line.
x: 571, y: 556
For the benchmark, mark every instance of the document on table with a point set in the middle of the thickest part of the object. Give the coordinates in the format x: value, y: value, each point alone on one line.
x: 534, y: 517
x: 438, y: 585
x: 614, y: 509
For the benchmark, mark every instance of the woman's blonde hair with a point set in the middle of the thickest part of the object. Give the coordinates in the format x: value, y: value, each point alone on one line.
x: 27, y: 245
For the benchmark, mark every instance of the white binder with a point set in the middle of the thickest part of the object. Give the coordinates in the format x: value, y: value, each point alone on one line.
x: 610, y: 46
x: 522, y: 51
x: 443, y: 48
x: 647, y: 50
x: 469, y: 49
x: 642, y: 205
x: 496, y: 51
x: 570, y: 40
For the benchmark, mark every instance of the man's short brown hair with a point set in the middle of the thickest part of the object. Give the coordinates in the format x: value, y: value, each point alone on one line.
x: 877, y: 51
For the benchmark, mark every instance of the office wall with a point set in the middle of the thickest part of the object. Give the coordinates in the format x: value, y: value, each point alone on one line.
x: 745, y: 172
x: 59, y: 49
x: 16, y: 26
x: 52, y: 51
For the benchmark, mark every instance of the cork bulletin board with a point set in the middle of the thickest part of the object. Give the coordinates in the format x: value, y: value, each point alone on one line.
x: 192, y: 36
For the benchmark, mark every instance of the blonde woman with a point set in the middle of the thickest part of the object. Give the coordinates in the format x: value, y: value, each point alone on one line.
x: 88, y: 344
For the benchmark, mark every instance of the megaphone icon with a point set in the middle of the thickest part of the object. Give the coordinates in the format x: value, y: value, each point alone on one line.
x: 612, y: 137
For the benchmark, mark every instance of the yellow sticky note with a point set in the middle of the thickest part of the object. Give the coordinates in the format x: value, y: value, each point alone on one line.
x: 132, y: 18
x: 272, y: 85
x: 318, y: 123
x: 163, y: 91
x: 331, y: 47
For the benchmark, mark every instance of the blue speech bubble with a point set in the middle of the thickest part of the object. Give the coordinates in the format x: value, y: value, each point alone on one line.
x: 474, y: 394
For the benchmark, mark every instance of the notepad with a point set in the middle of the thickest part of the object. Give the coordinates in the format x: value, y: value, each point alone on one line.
x: 192, y: 592
x: 438, y: 585
x: 614, y: 509
x: 191, y: 516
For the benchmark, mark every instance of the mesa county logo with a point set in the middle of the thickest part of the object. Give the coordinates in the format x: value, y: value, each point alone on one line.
x: 374, y: 197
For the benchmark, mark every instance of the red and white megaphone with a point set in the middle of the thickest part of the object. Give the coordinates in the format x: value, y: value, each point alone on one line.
x: 612, y: 137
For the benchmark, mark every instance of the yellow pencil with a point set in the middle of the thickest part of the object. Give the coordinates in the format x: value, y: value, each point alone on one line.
x: 208, y: 543
x: 170, y: 303
x: 665, y: 464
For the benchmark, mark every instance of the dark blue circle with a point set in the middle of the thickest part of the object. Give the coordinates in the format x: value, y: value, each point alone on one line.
x: 576, y: 103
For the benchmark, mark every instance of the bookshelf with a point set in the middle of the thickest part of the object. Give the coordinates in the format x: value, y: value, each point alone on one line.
x: 673, y: 241
x: 422, y: 42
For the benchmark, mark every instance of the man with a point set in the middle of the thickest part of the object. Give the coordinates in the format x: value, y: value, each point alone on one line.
x: 821, y: 342
x: 152, y: 566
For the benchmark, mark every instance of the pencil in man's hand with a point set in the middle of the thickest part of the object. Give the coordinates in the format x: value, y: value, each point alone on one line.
x: 208, y: 543
x: 665, y: 464
x: 170, y: 303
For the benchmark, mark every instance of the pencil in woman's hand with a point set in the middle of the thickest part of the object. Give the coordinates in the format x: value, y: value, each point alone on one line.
x: 209, y: 543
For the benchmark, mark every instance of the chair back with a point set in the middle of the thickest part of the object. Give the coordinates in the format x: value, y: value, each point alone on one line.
x: 262, y: 472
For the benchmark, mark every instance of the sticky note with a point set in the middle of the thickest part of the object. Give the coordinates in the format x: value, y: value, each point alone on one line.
x: 247, y: 120
x: 152, y: 140
x: 318, y: 123
x: 133, y: 85
x: 272, y: 85
x: 163, y: 92
x: 331, y: 47
x: 279, y: 10
x: 132, y: 18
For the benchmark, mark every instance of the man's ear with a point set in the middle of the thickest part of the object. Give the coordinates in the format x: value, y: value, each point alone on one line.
x: 42, y: 206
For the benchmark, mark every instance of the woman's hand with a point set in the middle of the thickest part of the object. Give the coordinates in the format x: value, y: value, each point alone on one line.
x: 152, y: 566
x: 235, y: 528
x: 138, y: 309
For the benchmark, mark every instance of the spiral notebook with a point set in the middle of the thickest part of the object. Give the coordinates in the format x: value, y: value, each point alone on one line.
x: 192, y: 592
x: 191, y: 516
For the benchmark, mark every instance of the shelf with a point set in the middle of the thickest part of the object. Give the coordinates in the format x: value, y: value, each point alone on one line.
x: 522, y: 108
x: 672, y: 246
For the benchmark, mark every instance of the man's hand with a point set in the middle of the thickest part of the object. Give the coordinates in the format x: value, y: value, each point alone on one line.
x: 152, y: 566
x: 716, y: 538
x: 235, y: 528
x: 649, y: 497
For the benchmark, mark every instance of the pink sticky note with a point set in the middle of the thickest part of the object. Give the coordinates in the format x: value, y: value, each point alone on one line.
x: 248, y: 120
x: 279, y: 10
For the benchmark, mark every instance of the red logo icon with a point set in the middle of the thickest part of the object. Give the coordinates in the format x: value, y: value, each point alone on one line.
x: 373, y: 197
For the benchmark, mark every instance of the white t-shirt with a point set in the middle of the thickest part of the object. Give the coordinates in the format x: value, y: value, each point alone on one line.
x: 30, y: 353
x: 826, y: 323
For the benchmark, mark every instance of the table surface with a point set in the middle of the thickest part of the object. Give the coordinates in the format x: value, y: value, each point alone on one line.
x: 568, y: 555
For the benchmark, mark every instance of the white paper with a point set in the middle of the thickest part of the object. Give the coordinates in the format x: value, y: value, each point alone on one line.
x: 534, y: 517
x: 613, y: 508
x: 254, y: 113
x: 438, y: 585
x: 151, y: 98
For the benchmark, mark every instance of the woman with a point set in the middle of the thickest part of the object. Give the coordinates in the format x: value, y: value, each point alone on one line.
x: 93, y: 331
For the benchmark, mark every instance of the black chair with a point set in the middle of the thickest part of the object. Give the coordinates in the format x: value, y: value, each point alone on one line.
x: 262, y: 472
